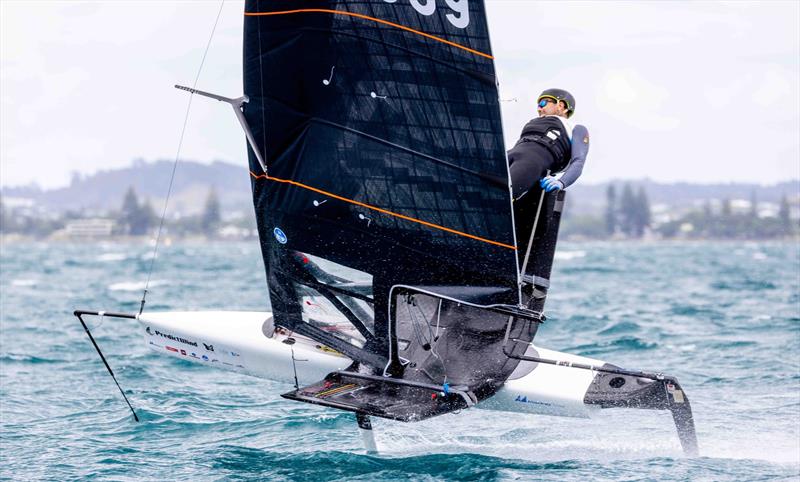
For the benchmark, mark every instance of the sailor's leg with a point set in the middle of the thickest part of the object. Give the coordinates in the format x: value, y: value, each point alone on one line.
x: 528, y: 162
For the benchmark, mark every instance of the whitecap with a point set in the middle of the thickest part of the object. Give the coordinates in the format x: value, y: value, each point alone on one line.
x: 759, y: 255
x: 112, y: 257
x: 134, y: 285
x: 569, y: 254
x: 24, y: 282
x: 689, y: 347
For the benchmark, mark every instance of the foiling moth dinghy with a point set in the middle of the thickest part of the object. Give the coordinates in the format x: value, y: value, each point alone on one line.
x: 404, y: 283
x: 446, y: 355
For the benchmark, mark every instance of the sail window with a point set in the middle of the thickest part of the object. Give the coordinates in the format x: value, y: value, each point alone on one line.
x: 340, y: 302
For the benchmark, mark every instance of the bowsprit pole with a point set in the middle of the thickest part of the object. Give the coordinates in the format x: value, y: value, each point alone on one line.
x: 79, y: 314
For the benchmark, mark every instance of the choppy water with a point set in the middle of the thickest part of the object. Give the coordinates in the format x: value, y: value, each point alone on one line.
x: 723, y: 317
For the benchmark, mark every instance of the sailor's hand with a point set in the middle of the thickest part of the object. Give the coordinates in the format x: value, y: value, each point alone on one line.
x: 550, y: 183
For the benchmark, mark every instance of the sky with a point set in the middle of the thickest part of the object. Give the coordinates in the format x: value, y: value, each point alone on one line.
x: 700, y: 92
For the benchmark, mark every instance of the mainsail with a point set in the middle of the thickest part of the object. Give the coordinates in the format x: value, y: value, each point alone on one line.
x: 379, y: 124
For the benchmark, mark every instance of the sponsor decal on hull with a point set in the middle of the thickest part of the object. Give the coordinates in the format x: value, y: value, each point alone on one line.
x: 152, y: 332
x: 524, y: 399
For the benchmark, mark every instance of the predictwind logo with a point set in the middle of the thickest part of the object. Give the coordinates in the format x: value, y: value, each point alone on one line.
x: 171, y: 337
x: 524, y: 399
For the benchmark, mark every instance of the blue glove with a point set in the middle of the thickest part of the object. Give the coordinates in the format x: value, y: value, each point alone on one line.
x: 550, y: 183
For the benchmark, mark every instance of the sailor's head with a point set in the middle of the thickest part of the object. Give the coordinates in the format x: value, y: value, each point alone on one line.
x: 555, y: 102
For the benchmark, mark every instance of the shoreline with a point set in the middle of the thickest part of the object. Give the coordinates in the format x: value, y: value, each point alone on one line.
x: 15, y: 239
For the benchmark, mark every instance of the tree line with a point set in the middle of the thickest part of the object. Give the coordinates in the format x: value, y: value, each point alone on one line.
x: 138, y: 218
x: 706, y: 223
x: 627, y: 214
x: 134, y: 218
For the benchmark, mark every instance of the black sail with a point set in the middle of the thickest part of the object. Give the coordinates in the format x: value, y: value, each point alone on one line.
x: 380, y: 126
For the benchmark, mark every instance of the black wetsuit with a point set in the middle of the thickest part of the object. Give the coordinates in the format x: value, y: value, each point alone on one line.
x: 546, y: 144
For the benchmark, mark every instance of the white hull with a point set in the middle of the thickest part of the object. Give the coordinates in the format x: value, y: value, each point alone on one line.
x: 234, y: 340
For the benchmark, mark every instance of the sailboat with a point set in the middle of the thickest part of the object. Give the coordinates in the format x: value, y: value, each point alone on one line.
x: 404, y: 283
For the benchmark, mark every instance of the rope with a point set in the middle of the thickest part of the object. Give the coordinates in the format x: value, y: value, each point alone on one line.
x: 177, y: 157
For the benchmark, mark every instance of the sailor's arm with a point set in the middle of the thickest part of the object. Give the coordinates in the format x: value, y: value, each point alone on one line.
x: 580, y: 148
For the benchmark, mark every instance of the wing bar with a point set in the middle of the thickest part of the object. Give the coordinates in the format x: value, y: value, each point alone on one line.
x: 659, y: 391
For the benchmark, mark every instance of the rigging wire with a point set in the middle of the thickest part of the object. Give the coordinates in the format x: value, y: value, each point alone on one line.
x: 177, y: 158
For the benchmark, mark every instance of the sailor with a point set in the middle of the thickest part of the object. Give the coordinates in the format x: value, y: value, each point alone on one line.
x: 549, y: 142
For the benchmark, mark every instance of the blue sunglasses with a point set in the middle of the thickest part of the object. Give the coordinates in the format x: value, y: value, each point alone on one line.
x: 544, y: 102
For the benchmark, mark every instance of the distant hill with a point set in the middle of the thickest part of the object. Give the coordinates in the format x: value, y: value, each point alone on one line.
x: 104, y: 190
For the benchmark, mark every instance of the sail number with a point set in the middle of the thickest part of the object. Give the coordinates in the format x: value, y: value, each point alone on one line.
x: 459, y: 16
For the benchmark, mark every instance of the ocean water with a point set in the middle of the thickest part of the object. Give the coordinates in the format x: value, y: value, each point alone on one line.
x: 722, y: 317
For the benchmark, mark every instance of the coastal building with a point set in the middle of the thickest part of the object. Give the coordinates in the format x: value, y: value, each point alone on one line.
x: 89, y: 228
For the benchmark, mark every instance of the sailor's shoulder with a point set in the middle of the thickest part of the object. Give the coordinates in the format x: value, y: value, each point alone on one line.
x: 546, y: 120
x: 580, y: 128
x: 581, y: 132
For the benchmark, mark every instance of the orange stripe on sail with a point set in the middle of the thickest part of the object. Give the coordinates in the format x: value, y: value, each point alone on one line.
x: 380, y: 210
x: 366, y: 17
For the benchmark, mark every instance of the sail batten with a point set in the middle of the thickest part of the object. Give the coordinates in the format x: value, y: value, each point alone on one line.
x: 380, y: 210
x: 373, y: 19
